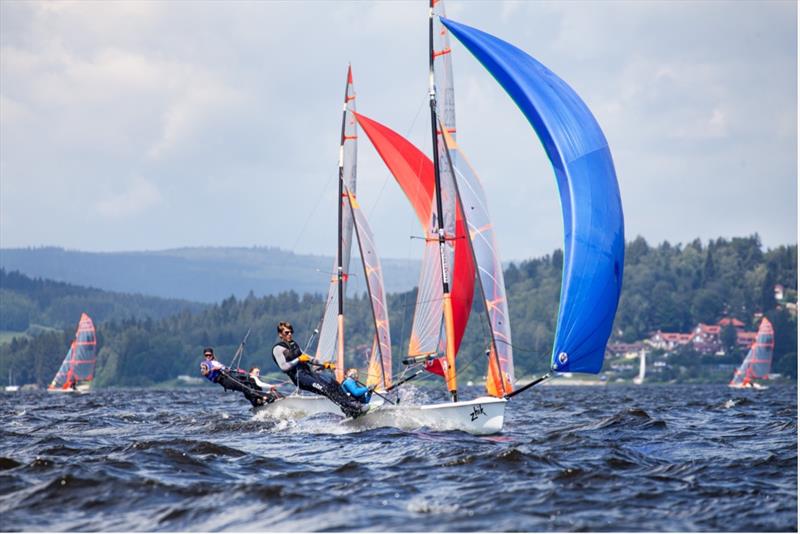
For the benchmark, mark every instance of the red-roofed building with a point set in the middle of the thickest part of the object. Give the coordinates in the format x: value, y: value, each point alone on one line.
x: 745, y: 339
x: 627, y: 350
x: 705, y: 338
x: 731, y: 320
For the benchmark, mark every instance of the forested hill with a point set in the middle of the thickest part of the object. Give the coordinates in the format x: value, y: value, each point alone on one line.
x: 204, y: 274
x: 26, y: 302
x: 667, y: 287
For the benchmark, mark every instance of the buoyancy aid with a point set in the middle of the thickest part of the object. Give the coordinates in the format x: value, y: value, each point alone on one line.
x: 293, y: 352
x: 213, y: 371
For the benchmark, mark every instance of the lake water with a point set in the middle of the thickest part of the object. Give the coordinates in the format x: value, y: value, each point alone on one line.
x: 653, y: 458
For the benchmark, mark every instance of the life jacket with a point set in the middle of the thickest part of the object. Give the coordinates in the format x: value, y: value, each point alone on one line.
x: 294, y: 353
x: 213, y: 371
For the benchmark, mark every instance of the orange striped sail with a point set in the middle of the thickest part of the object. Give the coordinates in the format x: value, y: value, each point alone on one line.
x: 78, y: 366
x: 758, y: 362
x: 380, y: 365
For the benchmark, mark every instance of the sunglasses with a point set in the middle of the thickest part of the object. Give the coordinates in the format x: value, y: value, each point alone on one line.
x: 284, y: 332
x: 208, y: 355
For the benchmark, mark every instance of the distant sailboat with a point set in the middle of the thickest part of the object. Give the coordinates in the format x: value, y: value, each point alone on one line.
x: 77, y: 370
x: 642, y: 367
x: 11, y: 387
x: 758, y: 362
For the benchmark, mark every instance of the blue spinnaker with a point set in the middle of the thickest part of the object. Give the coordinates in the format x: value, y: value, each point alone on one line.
x: 594, y: 241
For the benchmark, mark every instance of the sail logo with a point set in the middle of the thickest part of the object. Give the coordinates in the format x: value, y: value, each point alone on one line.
x: 476, y: 412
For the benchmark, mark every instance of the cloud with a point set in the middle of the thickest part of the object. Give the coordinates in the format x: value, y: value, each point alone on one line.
x: 139, y: 196
x: 236, y: 108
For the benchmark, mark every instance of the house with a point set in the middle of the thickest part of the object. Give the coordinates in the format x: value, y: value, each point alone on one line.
x: 725, y: 321
x: 668, y: 340
x: 625, y: 350
x: 745, y: 339
x: 705, y: 339
x: 779, y: 292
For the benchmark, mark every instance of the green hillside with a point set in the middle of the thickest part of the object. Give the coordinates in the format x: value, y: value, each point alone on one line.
x: 668, y: 287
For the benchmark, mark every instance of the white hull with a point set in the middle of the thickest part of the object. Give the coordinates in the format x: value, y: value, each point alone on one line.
x: 11, y: 389
x: 82, y: 388
x: 298, y: 406
x: 573, y: 382
x: 751, y: 385
x: 481, y: 416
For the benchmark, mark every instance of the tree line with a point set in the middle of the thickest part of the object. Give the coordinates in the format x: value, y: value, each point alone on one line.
x: 145, y: 341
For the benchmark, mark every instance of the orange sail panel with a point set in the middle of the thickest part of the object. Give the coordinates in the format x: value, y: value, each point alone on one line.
x: 329, y: 344
x: 373, y: 274
x: 413, y: 171
x: 500, y: 375
x: 78, y: 365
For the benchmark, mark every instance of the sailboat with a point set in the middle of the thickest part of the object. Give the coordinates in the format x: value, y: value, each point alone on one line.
x: 77, y: 370
x: 331, y: 345
x: 639, y: 379
x: 11, y: 387
x: 592, y: 215
x: 758, y: 362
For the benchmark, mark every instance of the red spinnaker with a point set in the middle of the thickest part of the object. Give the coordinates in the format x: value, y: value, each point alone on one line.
x: 413, y: 170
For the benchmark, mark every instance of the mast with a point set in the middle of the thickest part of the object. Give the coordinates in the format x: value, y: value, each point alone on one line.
x: 450, y: 356
x: 339, y: 267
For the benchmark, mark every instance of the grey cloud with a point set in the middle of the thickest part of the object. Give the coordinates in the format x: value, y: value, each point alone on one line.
x: 230, y: 112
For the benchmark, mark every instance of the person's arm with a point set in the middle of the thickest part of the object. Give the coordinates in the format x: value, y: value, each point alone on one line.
x: 259, y: 383
x: 353, y: 388
x: 280, y: 357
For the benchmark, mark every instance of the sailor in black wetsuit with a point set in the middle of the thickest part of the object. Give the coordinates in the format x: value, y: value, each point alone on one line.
x: 235, y: 379
x: 290, y: 359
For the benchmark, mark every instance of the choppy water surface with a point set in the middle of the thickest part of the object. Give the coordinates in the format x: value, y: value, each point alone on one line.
x: 616, y: 458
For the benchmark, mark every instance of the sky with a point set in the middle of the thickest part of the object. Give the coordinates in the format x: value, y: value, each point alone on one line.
x: 155, y: 125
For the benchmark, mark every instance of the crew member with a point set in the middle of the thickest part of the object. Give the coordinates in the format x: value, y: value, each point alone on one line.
x: 351, y: 386
x: 235, y: 379
x: 298, y: 367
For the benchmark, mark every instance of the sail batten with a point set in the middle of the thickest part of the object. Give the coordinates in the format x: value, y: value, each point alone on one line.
x: 590, y: 199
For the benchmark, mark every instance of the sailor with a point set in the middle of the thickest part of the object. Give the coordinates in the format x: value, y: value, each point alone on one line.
x: 214, y: 367
x: 255, y: 375
x: 298, y: 367
x: 235, y: 379
x: 351, y: 386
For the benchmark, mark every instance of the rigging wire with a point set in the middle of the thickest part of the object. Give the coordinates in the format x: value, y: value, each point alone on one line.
x: 408, y: 132
x: 311, y: 213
